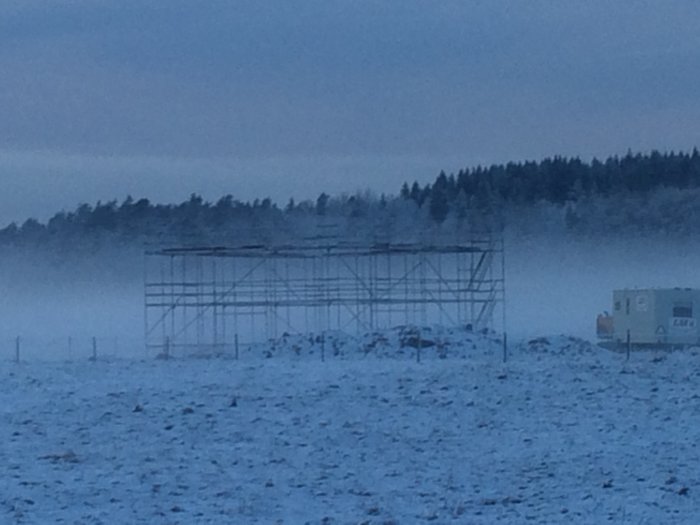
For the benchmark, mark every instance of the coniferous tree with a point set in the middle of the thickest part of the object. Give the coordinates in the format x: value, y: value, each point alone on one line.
x: 439, y: 206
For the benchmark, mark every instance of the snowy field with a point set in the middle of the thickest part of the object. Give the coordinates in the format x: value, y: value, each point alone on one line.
x: 563, y: 432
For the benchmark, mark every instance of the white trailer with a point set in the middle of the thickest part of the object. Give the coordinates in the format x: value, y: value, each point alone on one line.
x: 655, y: 316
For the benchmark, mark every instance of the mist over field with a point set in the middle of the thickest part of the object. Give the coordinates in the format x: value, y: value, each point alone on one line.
x: 555, y: 284
x: 558, y: 285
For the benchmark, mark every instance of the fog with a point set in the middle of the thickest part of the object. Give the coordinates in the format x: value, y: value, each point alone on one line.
x: 557, y: 286
x: 554, y: 285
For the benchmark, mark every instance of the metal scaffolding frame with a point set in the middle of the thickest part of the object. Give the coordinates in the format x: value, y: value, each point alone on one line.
x: 203, y: 299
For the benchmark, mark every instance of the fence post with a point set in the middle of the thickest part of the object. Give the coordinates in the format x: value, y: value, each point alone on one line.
x: 505, y: 347
x: 70, y: 348
x: 629, y: 344
x: 420, y: 345
x: 323, y: 347
x: 17, y: 350
x: 166, y: 350
x: 235, y: 340
x: 94, y: 350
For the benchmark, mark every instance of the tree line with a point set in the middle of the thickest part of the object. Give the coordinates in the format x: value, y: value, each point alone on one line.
x: 459, y: 200
x: 557, y: 180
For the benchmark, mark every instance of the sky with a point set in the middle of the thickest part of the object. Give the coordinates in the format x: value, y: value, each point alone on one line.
x: 104, y: 98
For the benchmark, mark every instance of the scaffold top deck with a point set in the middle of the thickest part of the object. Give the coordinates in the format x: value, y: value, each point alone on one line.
x: 337, y: 249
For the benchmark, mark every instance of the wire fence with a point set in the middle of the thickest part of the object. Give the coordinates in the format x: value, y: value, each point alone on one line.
x: 23, y: 348
x: 411, y: 343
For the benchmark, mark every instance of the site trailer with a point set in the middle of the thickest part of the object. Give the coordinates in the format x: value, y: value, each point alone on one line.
x: 665, y: 316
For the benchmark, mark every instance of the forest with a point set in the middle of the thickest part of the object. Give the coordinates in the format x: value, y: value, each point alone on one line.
x: 652, y: 192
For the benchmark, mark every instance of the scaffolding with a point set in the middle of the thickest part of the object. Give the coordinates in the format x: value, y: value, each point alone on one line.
x: 206, y: 299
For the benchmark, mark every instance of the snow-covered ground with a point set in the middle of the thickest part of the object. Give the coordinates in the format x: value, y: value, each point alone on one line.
x: 563, y: 432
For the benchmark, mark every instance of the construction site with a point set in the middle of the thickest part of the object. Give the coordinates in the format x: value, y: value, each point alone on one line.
x: 210, y: 299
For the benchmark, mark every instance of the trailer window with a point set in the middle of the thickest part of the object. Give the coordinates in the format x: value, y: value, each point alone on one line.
x: 683, y: 310
x: 627, y: 306
x: 617, y: 306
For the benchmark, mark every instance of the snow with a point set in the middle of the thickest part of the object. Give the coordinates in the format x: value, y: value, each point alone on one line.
x: 562, y: 432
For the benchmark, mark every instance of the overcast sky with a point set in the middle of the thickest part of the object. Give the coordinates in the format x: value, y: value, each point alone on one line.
x: 102, y: 98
